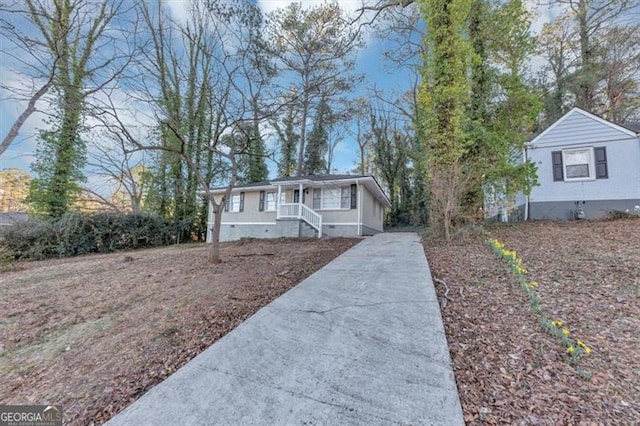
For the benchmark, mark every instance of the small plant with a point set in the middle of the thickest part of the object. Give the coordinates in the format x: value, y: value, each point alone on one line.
x: 619, y: 214
x: 575, y: 348
x: 6, y: 259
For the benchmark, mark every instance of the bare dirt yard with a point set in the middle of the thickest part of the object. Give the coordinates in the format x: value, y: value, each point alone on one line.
x: 508, y: 369
x: 93, y: 333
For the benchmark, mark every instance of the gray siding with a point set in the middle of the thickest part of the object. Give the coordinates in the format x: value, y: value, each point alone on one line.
x: 578, y: 128
x: 340, y: 230
x: 288, y: 228
x: 564, y: 210
x: 282, y: 228
x: 575, y: 131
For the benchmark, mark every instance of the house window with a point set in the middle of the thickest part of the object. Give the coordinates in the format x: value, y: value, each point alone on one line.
x: 271, y: 201
x: 345, y: 199
x: 236, y: 203
x: 333, y: 198
x: 580, y: 164
x: 330, y: 198
x: 317, y: 199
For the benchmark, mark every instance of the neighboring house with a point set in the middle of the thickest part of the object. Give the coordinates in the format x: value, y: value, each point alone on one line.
x: 306, y: 206
x: 587, y: 166
x: 10, y: 218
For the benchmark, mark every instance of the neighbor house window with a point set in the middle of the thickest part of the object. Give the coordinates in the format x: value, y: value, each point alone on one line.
x: 580, y: 164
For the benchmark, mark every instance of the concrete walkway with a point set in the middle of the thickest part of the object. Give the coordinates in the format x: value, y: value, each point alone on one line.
x: 359, y: 342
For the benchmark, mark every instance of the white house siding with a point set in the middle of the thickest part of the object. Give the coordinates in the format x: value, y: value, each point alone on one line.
x: 372, y: 213
x: 620, y: 191
x: 366, y: 219
x: 249, y: 223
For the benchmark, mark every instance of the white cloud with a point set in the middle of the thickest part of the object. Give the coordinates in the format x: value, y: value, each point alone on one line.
x: 179, y: 9
x: 268, y: 6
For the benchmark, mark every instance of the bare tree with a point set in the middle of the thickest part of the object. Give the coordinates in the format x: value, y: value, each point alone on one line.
x: 124, y: 171
x: 41, y: 38
x: 197, y: 85
x: 620, y: 66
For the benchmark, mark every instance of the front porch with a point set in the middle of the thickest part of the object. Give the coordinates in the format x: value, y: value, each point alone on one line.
x: 309, y: 206
x: 300, y: 212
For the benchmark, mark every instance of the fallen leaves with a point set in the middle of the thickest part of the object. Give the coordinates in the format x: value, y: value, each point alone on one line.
x: 94, y: 333
x: 588, y: 281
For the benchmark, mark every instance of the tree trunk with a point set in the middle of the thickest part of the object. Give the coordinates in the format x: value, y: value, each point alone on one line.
x: 303, y: 129
x: 214, y: 248
x: 30, y: 109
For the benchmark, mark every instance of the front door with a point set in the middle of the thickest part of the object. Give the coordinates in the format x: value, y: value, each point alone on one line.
x: 296, y: 196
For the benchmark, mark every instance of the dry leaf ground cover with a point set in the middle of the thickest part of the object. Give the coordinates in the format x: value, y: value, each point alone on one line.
x: 93, y: 333
x: 508, y: 369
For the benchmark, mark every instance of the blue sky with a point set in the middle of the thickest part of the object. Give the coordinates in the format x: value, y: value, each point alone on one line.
x: 370, y: 62
x: 21, y: 153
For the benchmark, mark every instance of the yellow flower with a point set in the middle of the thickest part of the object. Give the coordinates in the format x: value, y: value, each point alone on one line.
x: 586, y: 348
x: 571, y: 349
x: 557, y: 323
x: 534, y: 284
x: 566, y: 331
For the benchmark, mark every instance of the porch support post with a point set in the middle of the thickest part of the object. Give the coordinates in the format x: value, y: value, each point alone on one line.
x: 278, y: 201
x: 300, y: 198
x: 359, y: 201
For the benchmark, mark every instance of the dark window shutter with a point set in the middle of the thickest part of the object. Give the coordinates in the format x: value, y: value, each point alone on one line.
x: 261, y: 205
x: 354, y: 196
x: 602, y: 172
x: 226, y: 205
x: 242, y: 201
x: 556, y: 159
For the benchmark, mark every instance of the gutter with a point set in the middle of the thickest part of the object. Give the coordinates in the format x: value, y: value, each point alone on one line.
x: 359, y: 208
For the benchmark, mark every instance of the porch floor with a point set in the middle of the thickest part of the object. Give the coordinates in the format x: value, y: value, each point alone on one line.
x: 360, y: 341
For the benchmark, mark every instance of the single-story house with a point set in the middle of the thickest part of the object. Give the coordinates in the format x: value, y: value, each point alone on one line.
x: 305, y: 206
x: 587, y: 168
x: 8, y: 219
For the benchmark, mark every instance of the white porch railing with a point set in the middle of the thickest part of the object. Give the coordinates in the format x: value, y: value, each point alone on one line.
x: 300, y: 211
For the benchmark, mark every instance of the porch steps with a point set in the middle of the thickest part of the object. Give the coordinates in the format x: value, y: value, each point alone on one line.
x: 307, y: 231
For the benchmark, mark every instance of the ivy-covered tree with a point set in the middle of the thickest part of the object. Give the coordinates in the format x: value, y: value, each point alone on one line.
x: 248, y: 142
x: 314, y: 156
x: 71, y: 31
x: 60, y: 158
x: 443, y: 100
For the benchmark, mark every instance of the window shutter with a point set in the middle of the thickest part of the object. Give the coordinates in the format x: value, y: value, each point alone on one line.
x: 602, y: 171
x: 226, y: 205
x: 354, y: 196
x: 261, y: 205
x: 556, y: 159
x: 242, y: 201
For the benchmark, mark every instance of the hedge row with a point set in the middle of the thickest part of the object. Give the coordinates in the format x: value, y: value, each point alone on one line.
x: 76, y: 234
